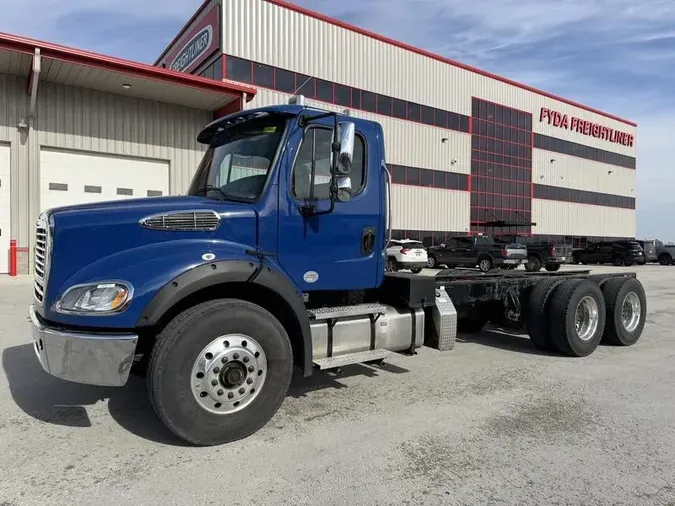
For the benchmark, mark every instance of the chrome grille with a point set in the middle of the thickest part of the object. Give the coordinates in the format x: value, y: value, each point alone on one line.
x: 183, y: 221
x: 41, y: 259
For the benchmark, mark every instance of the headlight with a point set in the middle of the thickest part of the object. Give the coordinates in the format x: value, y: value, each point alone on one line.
x: 96, y: 298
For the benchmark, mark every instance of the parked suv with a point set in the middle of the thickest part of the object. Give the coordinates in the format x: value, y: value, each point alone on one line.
x: 540, y: 253
x: 476, y: 250
x: 406, y: 254
x: 614, y: 252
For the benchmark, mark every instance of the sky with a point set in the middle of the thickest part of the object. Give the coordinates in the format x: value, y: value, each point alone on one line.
x: 613, y: 55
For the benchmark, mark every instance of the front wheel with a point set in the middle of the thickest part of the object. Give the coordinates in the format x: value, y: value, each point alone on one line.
x: 665, y: 259
x: 432, y: 263
x: 219, y: 371
x: 416, y: 270
x: 617, y: 260
x: 533, y: 264
x: 552, y: 267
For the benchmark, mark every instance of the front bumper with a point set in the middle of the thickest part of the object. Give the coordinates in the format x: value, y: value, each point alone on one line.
x: 93, y: 359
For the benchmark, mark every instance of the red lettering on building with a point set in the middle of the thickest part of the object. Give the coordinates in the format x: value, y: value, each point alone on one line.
x: 560, y: 120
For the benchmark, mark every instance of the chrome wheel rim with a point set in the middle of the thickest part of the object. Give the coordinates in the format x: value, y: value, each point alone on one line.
x: 228, y: 374
x: 587, y: 317
x: 485, y: 265
x: 630, y: 311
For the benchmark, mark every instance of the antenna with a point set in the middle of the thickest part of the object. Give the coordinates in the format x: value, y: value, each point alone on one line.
x: 298, y: 88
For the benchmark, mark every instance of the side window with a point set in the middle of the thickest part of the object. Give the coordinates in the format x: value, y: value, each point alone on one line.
x: 311, y: 173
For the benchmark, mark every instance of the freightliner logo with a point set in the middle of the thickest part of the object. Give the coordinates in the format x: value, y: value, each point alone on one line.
x: 193, y: 49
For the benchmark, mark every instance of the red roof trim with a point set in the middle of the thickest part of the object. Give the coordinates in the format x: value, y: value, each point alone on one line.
x: 182, y: 30
x: 428, y: 54
x: 143, y: 70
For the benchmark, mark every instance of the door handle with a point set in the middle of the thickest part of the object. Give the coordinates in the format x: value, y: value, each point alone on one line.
x: 367, y: 241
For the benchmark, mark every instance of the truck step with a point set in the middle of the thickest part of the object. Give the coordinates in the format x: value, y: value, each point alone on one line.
x: 326, y: 313
x: 351, y: 358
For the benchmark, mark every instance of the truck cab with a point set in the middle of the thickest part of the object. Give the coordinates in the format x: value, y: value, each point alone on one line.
x: 274, y: 260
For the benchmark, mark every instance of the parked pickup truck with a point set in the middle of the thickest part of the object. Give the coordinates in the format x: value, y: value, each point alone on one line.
x: 665, y: 253
x: 540, y: 253
x: 476, y: 250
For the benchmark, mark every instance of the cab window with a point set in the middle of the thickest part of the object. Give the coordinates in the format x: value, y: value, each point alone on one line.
x: 310, y: 179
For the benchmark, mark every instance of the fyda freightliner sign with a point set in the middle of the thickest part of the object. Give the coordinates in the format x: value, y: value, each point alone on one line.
x: 197, y: 43
x: 585, y: 127
x: 195, y: 48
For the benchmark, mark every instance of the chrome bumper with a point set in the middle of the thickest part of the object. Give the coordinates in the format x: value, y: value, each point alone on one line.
x: 93, y: 359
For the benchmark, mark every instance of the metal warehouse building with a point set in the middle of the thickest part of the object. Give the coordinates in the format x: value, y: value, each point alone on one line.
x: 79, y: 127
x: 470, y: 151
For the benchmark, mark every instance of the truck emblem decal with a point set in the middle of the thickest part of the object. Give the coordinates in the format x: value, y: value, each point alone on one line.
x: 310, y: 277
x: 208, y: 257
x: 193, y: 49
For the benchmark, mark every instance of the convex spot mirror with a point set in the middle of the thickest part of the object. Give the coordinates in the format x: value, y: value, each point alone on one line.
x: 344, y: 188
x: 346, y: 133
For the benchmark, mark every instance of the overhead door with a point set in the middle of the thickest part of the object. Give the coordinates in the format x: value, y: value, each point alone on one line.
x: 4, y: 209
x: 69, y: 177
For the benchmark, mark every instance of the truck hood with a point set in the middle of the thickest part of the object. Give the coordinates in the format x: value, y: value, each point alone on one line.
x: 86, y: 234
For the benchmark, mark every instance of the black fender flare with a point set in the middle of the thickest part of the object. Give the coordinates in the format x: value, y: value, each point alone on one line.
x: 231, y: 271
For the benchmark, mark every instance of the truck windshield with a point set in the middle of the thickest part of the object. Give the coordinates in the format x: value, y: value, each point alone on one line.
x: 236, y: 164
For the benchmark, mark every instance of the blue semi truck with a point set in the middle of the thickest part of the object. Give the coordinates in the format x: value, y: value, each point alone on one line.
x: 275, y: 260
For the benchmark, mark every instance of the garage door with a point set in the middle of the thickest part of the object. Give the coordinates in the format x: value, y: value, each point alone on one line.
x: 4, y: 209
x: 68, y: 178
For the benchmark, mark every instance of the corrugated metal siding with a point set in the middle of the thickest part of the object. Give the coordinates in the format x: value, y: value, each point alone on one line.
x: 416, y: 208
x: 270, y: 34
x: 93, y: 121
x: 416, y: 146
x: 13, y: 107
x: 572, y: 172
x: 564, y: 218
x: 82, y: 119
x: 406, y: 143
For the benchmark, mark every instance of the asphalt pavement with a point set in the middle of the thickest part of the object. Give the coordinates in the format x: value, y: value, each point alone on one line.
x: 492, y: 422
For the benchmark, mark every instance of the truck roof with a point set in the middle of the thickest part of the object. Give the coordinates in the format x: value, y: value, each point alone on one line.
x: 282, y: 110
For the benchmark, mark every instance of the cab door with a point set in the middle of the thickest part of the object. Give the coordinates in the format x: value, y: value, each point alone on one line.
x: 337, y: 250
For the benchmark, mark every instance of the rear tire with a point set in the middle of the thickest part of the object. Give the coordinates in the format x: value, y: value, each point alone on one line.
x: 576, y: 317
x: 533, y: 264
x: 552, y: 267
x: 432, y: 263
x: 536, y: 321
x: 416, y: 270
x: 392, y: 266
x: 626, y: 311
x: 617, y: 260
x: 485, y: 264
x: 186, y: 404
x: 665, y: 259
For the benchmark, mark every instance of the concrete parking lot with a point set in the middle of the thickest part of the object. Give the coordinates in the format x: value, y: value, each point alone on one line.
x: 492, y: 422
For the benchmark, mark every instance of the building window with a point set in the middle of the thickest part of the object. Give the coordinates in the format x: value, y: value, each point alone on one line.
x: 239, y: 70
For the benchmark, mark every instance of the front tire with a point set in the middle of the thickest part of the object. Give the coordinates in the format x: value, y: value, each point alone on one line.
x: 219, y: 371
x: 618, y: 260
x: 432, y: 263
x: 416, y: 270
x: 533, y: 264
x: 552, y: 267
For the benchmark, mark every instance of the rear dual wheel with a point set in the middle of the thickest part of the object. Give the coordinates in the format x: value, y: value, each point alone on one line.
x: 573, y: 316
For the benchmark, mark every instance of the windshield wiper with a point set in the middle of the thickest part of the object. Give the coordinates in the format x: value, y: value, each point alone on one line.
x: 210, y: 187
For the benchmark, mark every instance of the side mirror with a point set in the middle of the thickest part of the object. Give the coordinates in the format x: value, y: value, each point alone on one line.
x: 346, y: 133
x: 344, y: 188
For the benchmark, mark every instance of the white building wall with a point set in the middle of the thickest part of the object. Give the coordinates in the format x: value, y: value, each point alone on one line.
x: 580, y: 174
x: 89, y: 121
x: 564, y: 218
x: 268, y: 33
x: 418, y: 208
x: 414, y: 145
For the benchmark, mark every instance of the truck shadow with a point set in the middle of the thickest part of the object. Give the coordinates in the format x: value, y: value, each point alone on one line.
x: 503, y: 339
x: 58, y: 402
